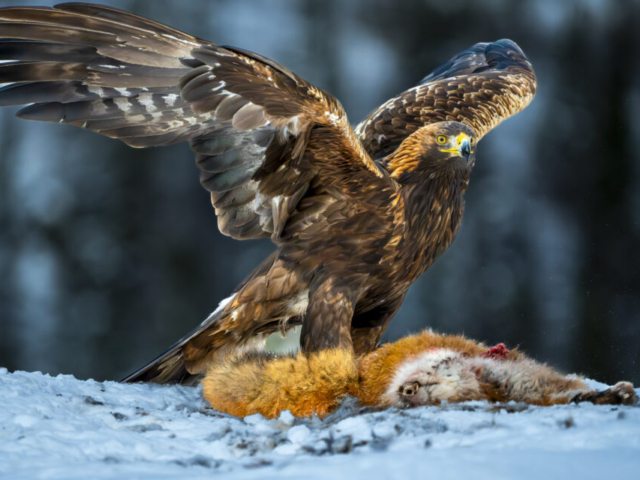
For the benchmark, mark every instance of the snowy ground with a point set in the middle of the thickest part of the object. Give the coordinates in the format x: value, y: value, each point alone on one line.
x: 63, y: 428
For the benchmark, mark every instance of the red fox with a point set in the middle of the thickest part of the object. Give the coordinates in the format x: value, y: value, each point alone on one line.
x: 423, y: 369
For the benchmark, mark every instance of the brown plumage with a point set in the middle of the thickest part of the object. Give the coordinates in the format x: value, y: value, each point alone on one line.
x: 356, y: 214
x: 423, y: 369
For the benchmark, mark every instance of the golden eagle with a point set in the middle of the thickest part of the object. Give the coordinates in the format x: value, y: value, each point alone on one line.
x: 357, y: 214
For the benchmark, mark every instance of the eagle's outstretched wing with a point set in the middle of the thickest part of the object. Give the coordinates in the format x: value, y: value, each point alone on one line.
x: 248, y: 119
x: 481, y: 86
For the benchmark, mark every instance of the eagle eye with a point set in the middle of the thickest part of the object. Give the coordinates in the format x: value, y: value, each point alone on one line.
x: 472, y: 141
x: 441, y: 139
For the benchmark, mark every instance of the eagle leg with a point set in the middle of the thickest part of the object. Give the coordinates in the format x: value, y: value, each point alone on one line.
x: 367, y: 327
x: 327, y: 322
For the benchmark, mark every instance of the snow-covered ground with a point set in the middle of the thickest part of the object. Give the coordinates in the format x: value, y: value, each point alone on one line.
x: 63, y: 428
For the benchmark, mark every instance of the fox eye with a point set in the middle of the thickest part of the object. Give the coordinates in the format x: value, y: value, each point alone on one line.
x: 441, y: 139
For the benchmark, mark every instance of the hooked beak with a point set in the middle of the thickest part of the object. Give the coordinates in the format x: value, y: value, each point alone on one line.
x: 464, y: 148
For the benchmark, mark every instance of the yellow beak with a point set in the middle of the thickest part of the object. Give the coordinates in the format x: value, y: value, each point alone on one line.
x: 462, y: 148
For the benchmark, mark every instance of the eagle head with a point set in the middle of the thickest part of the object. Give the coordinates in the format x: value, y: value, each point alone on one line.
x: 434, y: 149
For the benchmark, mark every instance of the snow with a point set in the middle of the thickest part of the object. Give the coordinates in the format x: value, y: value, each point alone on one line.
x: 64, y: 428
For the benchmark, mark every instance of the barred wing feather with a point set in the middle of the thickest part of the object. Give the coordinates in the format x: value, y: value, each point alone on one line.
x: 248, y: 119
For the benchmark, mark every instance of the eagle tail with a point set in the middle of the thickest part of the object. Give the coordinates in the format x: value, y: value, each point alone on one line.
x: 167, y: 368
x: 172, y: 366
x: 234, y: 325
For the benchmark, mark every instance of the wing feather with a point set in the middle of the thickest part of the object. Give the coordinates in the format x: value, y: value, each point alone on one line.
x: 248, y: 119
x: 481, y: 86
x: 99, y: 68
x: 278, y: 111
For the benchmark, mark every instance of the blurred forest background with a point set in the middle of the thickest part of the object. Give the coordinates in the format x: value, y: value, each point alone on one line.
x: 109, y: 254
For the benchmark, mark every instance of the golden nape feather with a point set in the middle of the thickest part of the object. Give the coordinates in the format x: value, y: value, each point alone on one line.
x: 356, y: 215
x: 423, y: 369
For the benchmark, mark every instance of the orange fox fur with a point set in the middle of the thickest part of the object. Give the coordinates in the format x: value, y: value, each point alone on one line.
x: 305, y: 384
x: 420, y: 369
